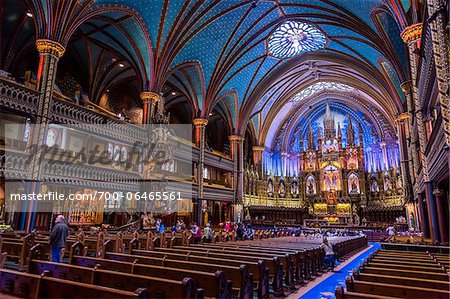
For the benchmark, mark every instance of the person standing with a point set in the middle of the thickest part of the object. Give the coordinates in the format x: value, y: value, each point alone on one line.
x: 330, y: 259
x: 391, y: 232
x: 58, y: 238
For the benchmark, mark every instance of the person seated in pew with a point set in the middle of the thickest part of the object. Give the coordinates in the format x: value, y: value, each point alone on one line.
x: 178, y: 227
x: 249, y: 232
x: 240, y: 231
x: 58, y: 238
x: 196, y: 233
x: 330, y: 258
x: 208, y: 232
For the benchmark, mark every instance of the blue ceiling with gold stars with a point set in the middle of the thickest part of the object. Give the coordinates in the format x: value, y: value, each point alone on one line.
x: 228, y: 38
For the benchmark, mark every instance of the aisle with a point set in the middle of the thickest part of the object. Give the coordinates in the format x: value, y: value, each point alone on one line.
x: 325, y: 288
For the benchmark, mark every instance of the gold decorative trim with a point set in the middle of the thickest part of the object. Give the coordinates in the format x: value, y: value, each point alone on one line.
x: 438, y: 193
x: 200, y: 122
x: 258, y: 148
x: 149, y: 96
x: 235, y: 138
x: 411, y: 33
x: 402, y: 117
x: 406, y: 87
x: 46, y: 46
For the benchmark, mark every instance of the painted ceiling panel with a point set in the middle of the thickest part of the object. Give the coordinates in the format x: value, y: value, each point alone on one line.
x: 361, y: 8
x: 139, y: 40
x: 253, y: 16
x: 393, y: 76
x: 150, y: 12
x: 392, y: 30
x: 239, y: 85
x: 365, y: 50
x: 207, y: 44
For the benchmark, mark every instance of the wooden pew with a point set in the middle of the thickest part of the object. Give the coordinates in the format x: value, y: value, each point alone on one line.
x: 25, y: 285
x: 409, y: 273
x: 398, y: 291
x: 239, y: 275
x: 157, y: 287
x: 286, y: 259
x: 296, y: 267
x: 17, y: 248
x: 273, y: 264
x: 257, y: 267
x: 214, y: 284
x: 340, y: 293
x: 399, y: 280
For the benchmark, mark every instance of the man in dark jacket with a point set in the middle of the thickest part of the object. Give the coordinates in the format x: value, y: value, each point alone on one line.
x: 58, y: 238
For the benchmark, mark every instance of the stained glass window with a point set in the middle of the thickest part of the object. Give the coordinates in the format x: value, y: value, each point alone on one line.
x: 292, y: 38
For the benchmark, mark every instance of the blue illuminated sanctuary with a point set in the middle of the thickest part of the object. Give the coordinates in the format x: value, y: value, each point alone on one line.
x: 333, y: 161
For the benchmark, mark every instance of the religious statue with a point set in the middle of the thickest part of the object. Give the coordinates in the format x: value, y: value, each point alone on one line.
x: 282, y: 189
x: 310, y: 186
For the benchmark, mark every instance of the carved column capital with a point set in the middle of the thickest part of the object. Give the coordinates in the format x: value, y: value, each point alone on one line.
x: 149, y: 96
x: 200, y: 122
x: 46, y: 46
x: 411, y: 33
x: 235, y: 138
x: 406, y: 87
x: 402, y: 117
x: 258, y: 148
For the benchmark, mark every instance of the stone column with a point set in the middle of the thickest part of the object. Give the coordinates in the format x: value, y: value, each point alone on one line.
x: 385, y: 157
x: 149, y: 99
x: 258, y: 158
x: 284, y: 164
x: 200, y: 126
x: 49, y: 54
x: 439, y: 194
x: 411, y: 140
x: 405, y: 161
x: 237, y: 148
x: 411, y: 36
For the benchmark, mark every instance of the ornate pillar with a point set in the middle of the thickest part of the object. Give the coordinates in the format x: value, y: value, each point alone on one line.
x: 200, y: 126
x: 439, y: 194
x: 385, y: 157
x: 149, y: 99
x: 405, y: 156
x: 441, y: 51
x: 237, y: 149
x: 284, y: 164
x: 49, y: 54
x: 258, y: 158
x: 411, y: 35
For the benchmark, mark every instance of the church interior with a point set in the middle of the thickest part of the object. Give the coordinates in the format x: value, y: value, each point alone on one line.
x: 224, y: 148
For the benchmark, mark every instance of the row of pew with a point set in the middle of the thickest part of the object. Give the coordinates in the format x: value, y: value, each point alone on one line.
x: 233, y: 269
x: 399, y: 274
x: 17, y: 246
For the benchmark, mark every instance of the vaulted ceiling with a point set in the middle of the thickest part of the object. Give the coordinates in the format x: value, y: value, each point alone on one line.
x: 215, y: 53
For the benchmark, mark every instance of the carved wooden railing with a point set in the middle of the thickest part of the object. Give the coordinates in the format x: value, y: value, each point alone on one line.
x: 18, y: 97
x: 14, y: 164
x: 436, y: 152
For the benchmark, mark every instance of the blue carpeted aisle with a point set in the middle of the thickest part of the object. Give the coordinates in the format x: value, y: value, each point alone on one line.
x: 325, y: 289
